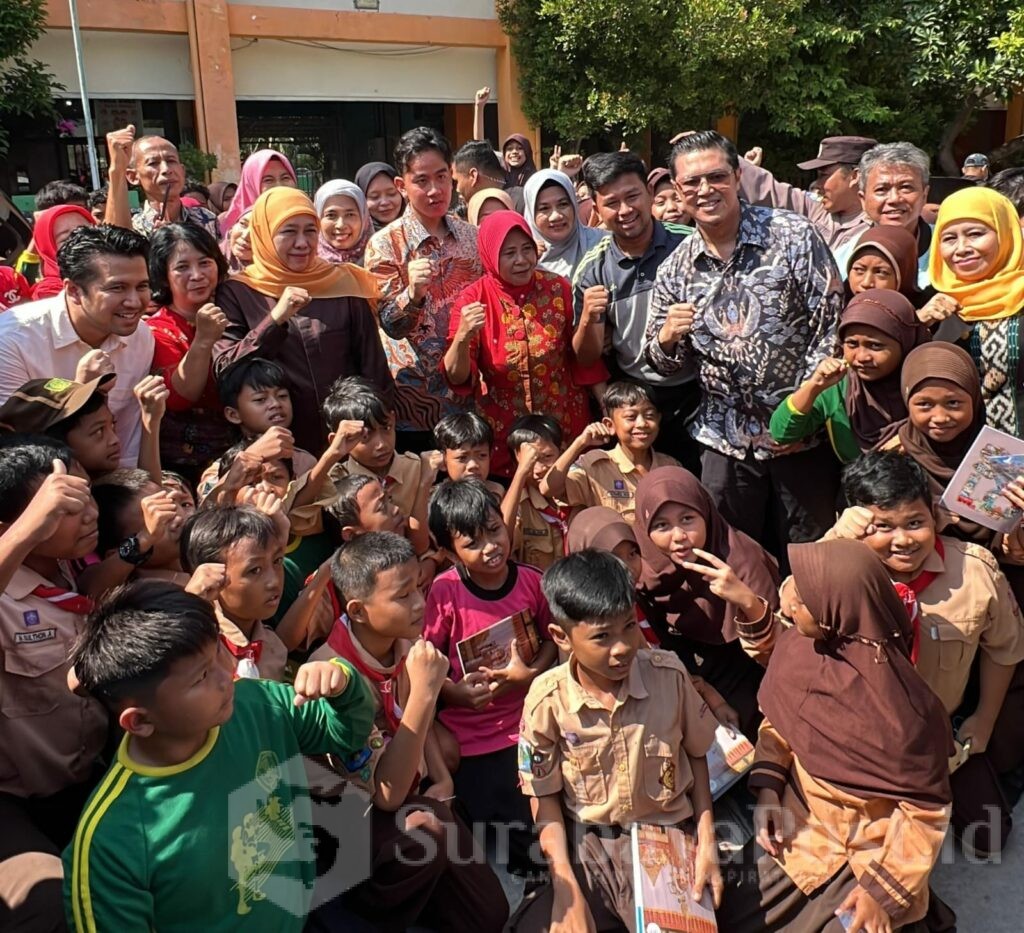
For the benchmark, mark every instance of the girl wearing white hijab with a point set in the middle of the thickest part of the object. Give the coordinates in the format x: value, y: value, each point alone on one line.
x: 551, y: 213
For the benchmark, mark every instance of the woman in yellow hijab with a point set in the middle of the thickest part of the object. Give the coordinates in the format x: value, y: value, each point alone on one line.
x: 310, y: 316
x: 978, y: 258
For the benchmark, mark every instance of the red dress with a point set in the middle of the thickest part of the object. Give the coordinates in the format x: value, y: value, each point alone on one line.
x: 522, y: 361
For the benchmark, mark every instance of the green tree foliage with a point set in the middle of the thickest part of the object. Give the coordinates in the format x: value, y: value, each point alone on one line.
x: 26, y: 87
x: 198, y: 164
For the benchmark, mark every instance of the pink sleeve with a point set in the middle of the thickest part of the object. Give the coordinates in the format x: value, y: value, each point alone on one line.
x: 437, y: 618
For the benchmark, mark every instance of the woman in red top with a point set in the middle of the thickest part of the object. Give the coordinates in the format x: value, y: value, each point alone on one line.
x: 185, y: 267
x: 511, y: 340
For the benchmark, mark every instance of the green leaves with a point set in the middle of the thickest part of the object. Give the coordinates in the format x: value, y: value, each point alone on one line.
x: 26, y: 88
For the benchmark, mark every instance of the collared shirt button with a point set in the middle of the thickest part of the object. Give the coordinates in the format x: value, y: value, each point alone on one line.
x: 622, y: 768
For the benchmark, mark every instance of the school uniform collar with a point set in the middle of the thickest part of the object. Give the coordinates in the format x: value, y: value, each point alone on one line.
x: 622, y: 460
x: 934, y: 563
x: 579, y: 698
x: 233, y: 633
x: 64, y: 333
x: 533, y: 495
x: 24, y: 581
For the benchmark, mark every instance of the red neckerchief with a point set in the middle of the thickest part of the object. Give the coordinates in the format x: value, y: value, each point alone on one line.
x: 68, y: 600
x: 645, y: 628
x: 341, y: 641
x: 909, y: 592
x: 558, y: 517
x: 250, y: 652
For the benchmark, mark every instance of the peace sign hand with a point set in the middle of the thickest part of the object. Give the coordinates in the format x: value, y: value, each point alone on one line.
x: 721, y: 578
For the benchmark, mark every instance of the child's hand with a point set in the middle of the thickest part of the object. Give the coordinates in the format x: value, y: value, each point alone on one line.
x: 207, y: 581
x: 514, y: 674
x: 721, y: 578
x: 58, y: 495
x: 159, y: 514
x: 707, y: 872
x: 316, y: 680
x: 431, y: 462
x: 92, y: 365
x: 245, y: 468
x: 293, y: 299
x: 727, y: 716
x: 271, y: 505
x: 769, y: 821
x: 829, y: 372
x: 868, y: 914
x: 570, y: 913
x: 211, y: 323
x: 441, y: 791
x: 151, y: 394
x: 427, y: 668
x: 594, y: 435
x: 526, y: 457
x: 1014, y: 492
x: 348, y: 435
x: 275, y: 443
x: 472, y: 692
x: 856, y: 522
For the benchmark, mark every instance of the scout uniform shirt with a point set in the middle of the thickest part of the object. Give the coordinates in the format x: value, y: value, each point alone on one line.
x: 50, y: 738
x: 402, y: 480
x: 609, y: 478
x: 539, y: 534
x: 621, y: 766
x: 220, y: 842
x: 261, y: 655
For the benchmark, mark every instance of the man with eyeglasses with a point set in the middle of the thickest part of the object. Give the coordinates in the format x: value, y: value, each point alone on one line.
x: 838, y: 215
x: 753, y: 299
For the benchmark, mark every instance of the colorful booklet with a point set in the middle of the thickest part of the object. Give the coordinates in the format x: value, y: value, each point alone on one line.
x: 663, y: 875
x: 994, y: 461
x: 729, y: 758
x: 492, y: 647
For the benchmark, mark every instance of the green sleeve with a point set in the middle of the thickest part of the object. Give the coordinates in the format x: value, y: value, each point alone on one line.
x: 789, y: 425
x: 340, y: 725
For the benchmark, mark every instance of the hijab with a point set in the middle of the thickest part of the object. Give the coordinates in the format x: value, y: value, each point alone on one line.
x: 1001, y: 293
x: 877, y: 407
x: 899, y: 247
x: 348, y: 189
x: 365, y: 177
x: 682, y: 598
x: 268, y: 275
x: 248, y: 190
x: 476, y: 203
x: 560, y: 258
x: 851, y: 705
x: 940, y: 360
x: 518, y: 176
x: 217, y: 190
x: 50, y: 282
x: 599, y: 527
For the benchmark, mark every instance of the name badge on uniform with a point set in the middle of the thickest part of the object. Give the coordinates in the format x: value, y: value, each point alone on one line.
x: 536, y: 532
x: 30, y: 638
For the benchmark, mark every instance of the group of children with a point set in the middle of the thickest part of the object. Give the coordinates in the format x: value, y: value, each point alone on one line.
x: 259, y: 700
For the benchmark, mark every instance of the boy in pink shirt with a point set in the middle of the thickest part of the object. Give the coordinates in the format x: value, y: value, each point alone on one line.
x: 483, y: 708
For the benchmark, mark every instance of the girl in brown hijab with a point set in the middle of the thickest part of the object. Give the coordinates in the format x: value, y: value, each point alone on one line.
x: 852, y: 756
x: 884, y: 257
x: 701, y: 578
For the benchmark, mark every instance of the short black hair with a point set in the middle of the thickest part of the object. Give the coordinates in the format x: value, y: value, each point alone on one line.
x: 356, y: 566
x: 1010, y: 184
x: 478, y: 154
x: 528, y: 429
x: 55, y: 193
x: 623, y: 393
x: 460, y: 507
x: 193, y: 185
x: 99, y: 196
x: 209, y: 532
x: 253, y: 373
x: 886, y: 479
x: 344, y: 507
x: 353, y: 398
x: 228, y: 457
x: 162, y: 244
x: 59, y: 431
x: 603, y: 168
x: 462, y: 429
x: 113, y: 493
x: 25, y: 461
x: 588, y: 586
x: 701, y: 140
x: 134, y: 636
x: 417, y: 141
x: 77, y: 255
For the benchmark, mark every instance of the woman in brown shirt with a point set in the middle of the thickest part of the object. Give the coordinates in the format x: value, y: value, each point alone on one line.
x: 311, y: 317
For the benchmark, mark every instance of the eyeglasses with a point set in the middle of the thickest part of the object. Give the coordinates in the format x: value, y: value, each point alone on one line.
x: 717, y: 179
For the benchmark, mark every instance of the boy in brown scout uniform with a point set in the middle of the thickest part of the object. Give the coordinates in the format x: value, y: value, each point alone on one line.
x: 612, y: 737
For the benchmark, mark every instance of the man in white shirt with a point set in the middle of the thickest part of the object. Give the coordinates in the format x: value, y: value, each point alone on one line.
x: 92, y: 327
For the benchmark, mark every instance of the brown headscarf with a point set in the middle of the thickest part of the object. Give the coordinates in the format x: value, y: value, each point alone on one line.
x: 876, y: 408
x: 899, y: 247
x: 680, y: 599
x: 940, y: 361
x: 599, y: 527
x: 851, y: 706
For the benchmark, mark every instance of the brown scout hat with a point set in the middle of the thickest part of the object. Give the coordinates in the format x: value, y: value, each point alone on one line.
x: 844, y: 150
x: 40, y: 403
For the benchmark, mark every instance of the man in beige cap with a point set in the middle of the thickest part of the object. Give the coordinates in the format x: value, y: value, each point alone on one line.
x: 838, y: 215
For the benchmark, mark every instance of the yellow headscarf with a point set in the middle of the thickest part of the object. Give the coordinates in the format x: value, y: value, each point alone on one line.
x: 1001, y: 294
x: 270, y: 276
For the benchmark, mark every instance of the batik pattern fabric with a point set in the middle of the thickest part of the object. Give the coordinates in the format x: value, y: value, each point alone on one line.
x: 995, y: 346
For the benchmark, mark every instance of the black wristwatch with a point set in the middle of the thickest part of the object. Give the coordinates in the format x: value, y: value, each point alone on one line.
x: 128, y: 551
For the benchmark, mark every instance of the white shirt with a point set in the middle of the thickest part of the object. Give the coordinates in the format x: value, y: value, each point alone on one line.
x: 38, y: 341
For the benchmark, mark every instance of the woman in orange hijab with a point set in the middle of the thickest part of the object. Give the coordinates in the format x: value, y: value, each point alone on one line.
x: 312, y: 317
x: 978, y: 259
